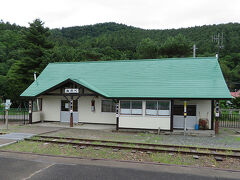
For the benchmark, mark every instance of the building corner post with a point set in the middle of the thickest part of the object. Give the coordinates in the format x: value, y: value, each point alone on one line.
x: 185, y: 117
x: 117, y: 115
x: 171, y: 117
x: 217, y: 118
x: 71, y: 112
x: 212, y: 114
x: 30, y: 104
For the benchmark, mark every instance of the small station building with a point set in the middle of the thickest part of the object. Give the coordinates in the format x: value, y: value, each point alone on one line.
x: 148, y: 94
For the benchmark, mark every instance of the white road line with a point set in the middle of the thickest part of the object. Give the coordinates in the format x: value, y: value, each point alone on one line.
x: 6, y: 144
x: 36, y: 172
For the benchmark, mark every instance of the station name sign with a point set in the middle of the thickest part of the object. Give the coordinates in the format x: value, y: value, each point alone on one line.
x: 71, y: 91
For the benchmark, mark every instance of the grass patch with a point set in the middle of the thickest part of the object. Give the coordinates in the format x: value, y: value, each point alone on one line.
x: 171, y: 159
x: 237, y: 138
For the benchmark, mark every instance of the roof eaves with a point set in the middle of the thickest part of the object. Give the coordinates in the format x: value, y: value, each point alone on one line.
x: 80, y: 82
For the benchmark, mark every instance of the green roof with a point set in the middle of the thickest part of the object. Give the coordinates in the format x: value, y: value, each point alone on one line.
x: 148, y: 78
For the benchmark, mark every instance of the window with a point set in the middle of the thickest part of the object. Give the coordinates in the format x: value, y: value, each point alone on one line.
x: 158, y: 108
x: 65, y: 105
x: 151, y: 107
x: 131, y: 107
x: 136, y: 107
x: 125, y: 107
x: 108, y: 106
x: 37, y: 105
x: 163, y: 108
x: 179, y: 110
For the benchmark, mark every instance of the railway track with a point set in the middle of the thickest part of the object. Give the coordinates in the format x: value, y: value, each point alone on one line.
x: 145, y: 147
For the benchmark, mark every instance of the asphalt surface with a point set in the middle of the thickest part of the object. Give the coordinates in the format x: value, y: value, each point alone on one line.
x: 35, y: 167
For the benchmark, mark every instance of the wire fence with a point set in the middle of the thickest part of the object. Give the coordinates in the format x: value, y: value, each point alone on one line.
x: 15, y: 115
x: 229, y: 118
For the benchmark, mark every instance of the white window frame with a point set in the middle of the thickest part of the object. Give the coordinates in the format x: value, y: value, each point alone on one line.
x: 131, y: 111
x: 158, y: 111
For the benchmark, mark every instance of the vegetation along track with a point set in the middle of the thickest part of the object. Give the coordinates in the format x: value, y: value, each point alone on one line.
x: 220, y: 152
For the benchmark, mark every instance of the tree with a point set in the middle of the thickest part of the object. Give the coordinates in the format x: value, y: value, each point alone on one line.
x: 236, y: 102
x: 34, y: 57
x: 147, y: 49
x: 176, y: 47
x: 3, y: 85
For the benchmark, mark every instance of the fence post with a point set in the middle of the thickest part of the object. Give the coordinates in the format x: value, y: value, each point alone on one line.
x: 239, y: 119
x: 24, y: 116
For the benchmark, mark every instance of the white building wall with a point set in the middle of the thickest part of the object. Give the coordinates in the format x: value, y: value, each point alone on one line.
x: 51, y: 108
x: 36, y: 116
x: 203, y: 108
x: 144, y: 121
x: 97, y: 116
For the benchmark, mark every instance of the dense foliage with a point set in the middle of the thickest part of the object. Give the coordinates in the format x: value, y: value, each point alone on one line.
x: 27, y: 50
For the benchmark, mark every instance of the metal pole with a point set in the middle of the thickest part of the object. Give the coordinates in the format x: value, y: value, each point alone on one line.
x: 185, y: 116
x: 4, y: 116
x: 194, y: 51
x: 71, y: 112
x: 6, y: 119
x: 24, y: 116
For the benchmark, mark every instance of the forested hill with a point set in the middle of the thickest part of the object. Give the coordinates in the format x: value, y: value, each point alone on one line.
x: 120, y: 36
x: 25, y: 50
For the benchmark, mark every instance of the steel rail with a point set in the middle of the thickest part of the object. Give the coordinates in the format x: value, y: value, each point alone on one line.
x: 142, y: 144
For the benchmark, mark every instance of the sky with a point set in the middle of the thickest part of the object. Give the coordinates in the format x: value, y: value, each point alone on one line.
x: 147, y: 14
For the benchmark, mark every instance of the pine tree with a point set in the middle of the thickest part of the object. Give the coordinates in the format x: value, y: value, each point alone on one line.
x: 34, y: 57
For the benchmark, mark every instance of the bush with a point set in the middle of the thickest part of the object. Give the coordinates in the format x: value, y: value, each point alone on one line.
x: 203, y: 124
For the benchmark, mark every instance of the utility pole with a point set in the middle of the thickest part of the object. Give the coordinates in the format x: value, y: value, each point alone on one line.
x: 194, y: 50
x: 218, y: 39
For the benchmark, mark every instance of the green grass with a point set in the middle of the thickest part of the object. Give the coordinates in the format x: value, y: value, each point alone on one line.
x: 96, y: 142
x: 237, y: 138
x: 169, y: 159
x: 67, y: 150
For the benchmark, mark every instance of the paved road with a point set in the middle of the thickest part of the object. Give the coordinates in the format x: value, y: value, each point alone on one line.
x: 35, y: 167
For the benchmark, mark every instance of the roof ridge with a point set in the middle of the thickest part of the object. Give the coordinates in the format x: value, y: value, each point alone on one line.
x: 134, y: 60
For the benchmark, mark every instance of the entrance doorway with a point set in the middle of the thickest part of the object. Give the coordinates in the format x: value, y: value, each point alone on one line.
x: 178, y: 117
x: 65, y: 111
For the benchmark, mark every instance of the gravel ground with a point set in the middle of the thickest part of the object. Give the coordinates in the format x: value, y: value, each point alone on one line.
x: 217, y: 141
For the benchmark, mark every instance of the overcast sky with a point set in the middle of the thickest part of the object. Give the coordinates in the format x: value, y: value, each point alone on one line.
x: 147, y: 14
